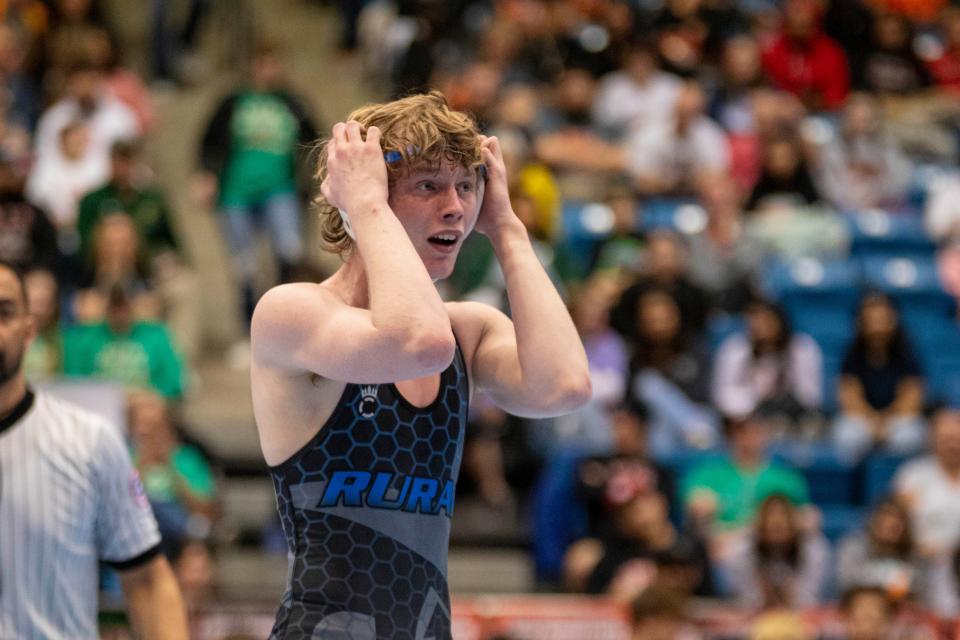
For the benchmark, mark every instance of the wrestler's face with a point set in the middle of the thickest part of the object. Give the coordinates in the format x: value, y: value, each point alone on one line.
x: 438, y: 208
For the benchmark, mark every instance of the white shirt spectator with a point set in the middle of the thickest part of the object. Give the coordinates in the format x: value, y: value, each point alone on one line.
x: 56, y: 184
x: 621, y: 102
x: 741, y: 382
x: 805, y: 583
x: 110, y: 121
x: 657, y: 149
x: 863, y: 172
x: 933, y: 498
x: 942, y: 210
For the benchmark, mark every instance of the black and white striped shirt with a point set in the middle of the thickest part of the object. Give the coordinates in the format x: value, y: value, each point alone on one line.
x: 69, y: 496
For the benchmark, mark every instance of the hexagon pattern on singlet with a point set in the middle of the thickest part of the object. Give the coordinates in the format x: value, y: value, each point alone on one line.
x: 348, y: 580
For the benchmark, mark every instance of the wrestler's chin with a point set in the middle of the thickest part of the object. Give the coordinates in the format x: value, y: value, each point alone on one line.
x: 437, y: 276
x: 440, y: 267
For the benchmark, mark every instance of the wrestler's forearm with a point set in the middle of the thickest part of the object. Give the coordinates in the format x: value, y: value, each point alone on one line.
x: 552, y: 360
x: 403, y: 299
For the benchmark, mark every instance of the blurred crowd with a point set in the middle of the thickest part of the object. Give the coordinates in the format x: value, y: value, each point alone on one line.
x: 112, y: 290
x: 751, y: 206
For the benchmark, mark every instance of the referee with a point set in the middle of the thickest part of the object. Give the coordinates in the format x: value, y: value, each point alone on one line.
x: 69, y: 497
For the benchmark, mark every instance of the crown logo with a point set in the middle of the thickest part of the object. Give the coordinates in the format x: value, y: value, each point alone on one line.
x: 368, y: 405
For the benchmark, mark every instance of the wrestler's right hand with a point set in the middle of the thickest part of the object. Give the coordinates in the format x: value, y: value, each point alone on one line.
x: 356, y: 172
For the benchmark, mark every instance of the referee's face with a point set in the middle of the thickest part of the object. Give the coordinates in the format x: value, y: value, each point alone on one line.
x: 16, y: 325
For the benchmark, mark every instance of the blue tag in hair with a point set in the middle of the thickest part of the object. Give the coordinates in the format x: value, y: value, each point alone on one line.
x: 392, y: 157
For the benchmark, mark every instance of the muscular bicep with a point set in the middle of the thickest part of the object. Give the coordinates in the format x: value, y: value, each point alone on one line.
x: 299, y: 328
x: 521, y: 382
x: 494, y: 357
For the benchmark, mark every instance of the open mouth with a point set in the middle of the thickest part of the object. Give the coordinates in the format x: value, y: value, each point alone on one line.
x: 443, y: 239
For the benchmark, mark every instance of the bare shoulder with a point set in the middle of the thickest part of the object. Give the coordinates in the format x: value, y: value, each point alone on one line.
x: 285, y: 313
x: 291, y: 301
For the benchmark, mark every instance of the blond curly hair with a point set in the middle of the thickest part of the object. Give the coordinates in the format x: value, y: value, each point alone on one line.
x: 417, y: 132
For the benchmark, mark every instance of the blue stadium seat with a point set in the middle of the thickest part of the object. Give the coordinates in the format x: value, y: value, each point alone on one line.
x: 660, y: 214
x: 879, y: 234
x: 901, y: 273
x: 878, y: 472
x: 583, y: 224
x: 897, y: 274
x: 812, y: 277
x: 936, y: 341
x: 721, y: 326
x: 582, y: 219
x: 831, y: 378
x: 841, y: 520
x: 912, y: 282
x: 819, y: 297
x: 927, y: 328
x: 943, y: 378
x: 831, y: 480
x: 832, y: 329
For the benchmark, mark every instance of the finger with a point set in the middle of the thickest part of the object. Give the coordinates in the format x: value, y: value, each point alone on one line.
x: 353, y: 132
x: 373, y: 135
x: 489, y: 157
x: 338, y: 130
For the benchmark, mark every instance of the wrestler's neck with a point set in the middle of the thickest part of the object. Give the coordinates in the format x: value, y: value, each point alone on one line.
x: 350, y: 283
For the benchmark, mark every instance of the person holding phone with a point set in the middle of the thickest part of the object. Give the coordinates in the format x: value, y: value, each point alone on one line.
x: 361, y: 383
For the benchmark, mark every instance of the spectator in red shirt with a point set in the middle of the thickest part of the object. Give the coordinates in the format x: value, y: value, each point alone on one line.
x: 945, y: 68
x: 803, y: 60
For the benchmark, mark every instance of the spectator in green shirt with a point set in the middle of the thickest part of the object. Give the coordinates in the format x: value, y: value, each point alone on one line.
x: 136, y: 353
x: 722, y: 497
x: 176, y: 476
x: 128, y: 194
x: 159, y: 258
x: 251, y: 154
x: 727, y: 492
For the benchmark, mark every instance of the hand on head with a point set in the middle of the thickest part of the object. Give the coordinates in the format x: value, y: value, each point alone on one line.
x: 496, y: 210
x: 356, y: 171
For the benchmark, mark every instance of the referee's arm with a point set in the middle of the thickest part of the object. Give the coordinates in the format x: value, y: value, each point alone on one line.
x: 128, y: 539
x: 153, y: 601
